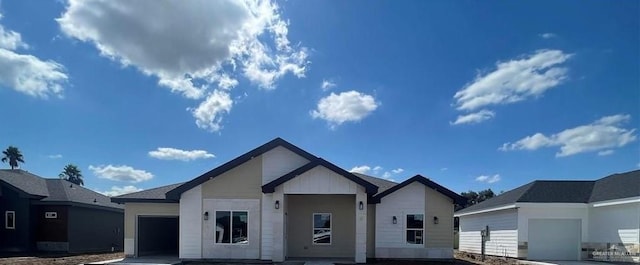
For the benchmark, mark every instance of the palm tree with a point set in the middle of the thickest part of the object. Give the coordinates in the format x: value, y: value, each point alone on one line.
x: 13, y: 155
x: 72, y: 174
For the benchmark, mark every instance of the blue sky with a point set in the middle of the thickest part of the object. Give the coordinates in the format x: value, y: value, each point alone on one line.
x: 472, y: 94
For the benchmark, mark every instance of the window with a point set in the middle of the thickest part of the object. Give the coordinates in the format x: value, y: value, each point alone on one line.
x: 231, y: 227
x: 415, y: 228
x: 10, y: 220
x: 322, y: 229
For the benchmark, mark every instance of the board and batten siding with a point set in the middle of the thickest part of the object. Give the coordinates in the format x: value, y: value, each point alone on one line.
x: 615, y: 224
x: 503, y: 235
x: 279, y: 161
x: 241, y: 182
x: 390, y: 237
x: 320, y: 180
x: 438, y: 237
x: 131, y: 213
x: 190, y: 244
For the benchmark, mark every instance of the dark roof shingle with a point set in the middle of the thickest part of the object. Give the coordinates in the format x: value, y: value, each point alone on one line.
x: 156, y: 194
x: 25, y: 181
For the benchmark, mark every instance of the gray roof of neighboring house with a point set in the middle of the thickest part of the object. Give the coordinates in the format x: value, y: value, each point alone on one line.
x: 25, y: 182
x: 150, y: 195
x: 616, y: 186
x: 61, y: 190
x: 52, y: 191
x: 382, y: 184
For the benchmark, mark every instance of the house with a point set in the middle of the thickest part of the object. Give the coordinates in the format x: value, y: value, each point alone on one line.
x: 559, y: 220
x: 56, y: 215
x: 279, y: 202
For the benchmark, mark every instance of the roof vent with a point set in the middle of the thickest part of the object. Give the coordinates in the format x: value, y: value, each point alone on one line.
x: 95, y: 201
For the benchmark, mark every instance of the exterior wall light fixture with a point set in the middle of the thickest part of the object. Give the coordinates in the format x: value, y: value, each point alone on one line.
x: 206, y: 216
x: 277, y: 206
x: 395, y: 220
x: 435, y: 220
x: 361, y: 206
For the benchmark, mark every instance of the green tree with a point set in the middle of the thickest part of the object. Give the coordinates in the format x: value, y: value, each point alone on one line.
x: 72, y: 174
x: 476, y: 197
x: 13, y: 155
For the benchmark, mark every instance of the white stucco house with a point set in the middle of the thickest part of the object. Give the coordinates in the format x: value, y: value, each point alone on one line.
x: 559, y: 220
x: 279, y: 202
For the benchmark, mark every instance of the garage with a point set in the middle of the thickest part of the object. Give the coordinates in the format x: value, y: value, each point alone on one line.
x: 554, y: 239
x: 157, y: 236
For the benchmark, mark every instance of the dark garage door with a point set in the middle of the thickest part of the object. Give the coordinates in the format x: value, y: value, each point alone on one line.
x: 158, y: 236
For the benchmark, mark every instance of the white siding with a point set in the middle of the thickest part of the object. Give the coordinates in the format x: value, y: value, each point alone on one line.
x: 320, y: 180
x: 503, y: 235
x: 615, y: 224
x: 361, y: 226
x: 528, y: 211
x: 278, y: 162
x: 277, y: 222
x: 390, y: 237
x: 251, y: 250
x: 191, y: 224
x: 266, y: 231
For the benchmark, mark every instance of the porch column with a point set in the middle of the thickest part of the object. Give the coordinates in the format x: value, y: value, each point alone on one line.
x: 361, y: 226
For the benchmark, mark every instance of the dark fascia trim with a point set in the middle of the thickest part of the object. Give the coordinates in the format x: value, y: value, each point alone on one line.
x: 139, y: 200
x: 176, y: 192
x: 79, y: 204
x: 425, y: 181
x: 271, y: 186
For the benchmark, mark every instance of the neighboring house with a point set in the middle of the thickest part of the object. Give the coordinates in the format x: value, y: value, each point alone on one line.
x: 279, y: 202
x: 41, y: 214
x: 559, y: 220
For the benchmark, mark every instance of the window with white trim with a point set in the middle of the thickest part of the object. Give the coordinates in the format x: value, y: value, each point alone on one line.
x: 322, y: 229
x: 10, y: 220
x: 415, y: 229
x: 232, y: 227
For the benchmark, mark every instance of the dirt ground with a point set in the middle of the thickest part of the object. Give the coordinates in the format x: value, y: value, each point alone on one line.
x: 60, y: 259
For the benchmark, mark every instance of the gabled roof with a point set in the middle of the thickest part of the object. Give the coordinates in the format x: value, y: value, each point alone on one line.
x: 150, y: 195
x: 25, y: 182
x: 175, y: 193
x: 270, y: 187
x: 62, y: 191
x: 425, y: 181
x: 616, y: 186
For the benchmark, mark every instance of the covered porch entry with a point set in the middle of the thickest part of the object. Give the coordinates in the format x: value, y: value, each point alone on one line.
x: 320, y: 226
x: 319, y: 211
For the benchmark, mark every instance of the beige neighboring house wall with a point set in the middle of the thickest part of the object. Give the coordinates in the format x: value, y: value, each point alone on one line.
x: 300, y: 210
x: 131, y: 213
x: 241, y: 182
x: 438, y: 205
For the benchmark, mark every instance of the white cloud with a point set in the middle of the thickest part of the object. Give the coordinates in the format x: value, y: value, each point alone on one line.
x: 364, y: 169
x: 167, y: 153
x: 512, y: 81
x: 606, y: 152
x: 348, y: 106
x: 327, y: 84
x: 26, y: 73
x: 475, y: 117
x: 602, y: 135
x: 121, y: 173
x: 189, y: 45
x: 548, y: 35
x: 56, y: 156
x: 444, y: 169
x: 209, y: 113
x: 488, y: 179
x: 116, y: 191
x: 377, y: 171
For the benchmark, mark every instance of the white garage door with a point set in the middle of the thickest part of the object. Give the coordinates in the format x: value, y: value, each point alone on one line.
x: 554, y: 239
